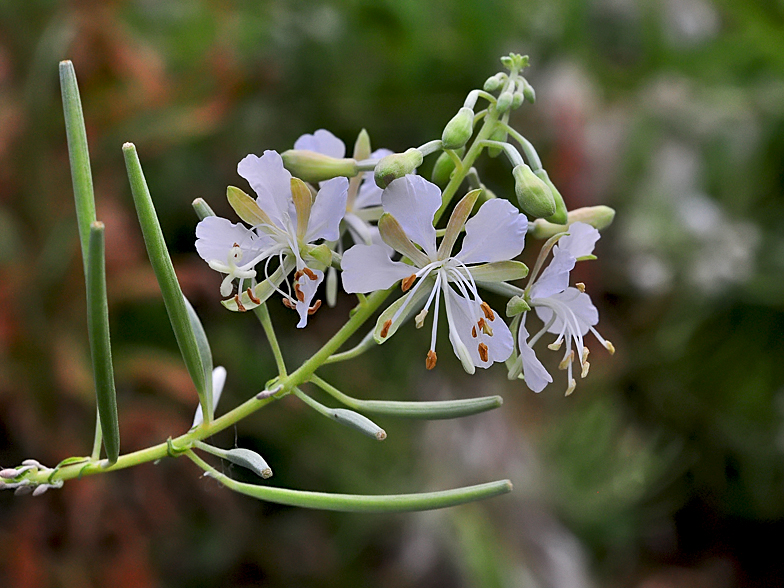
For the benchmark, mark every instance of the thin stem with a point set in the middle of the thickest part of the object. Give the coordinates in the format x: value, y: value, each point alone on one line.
x: 434, y: 410
x: 368, y: 342
x: 528, y: 149
x: 358, y: 503
x: 262, y: 312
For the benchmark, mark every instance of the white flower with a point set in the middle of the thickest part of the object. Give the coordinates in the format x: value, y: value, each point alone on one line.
x: 493, y: 236
x: 218, y: 381
x: 285, y: 221
x: 363, y: 201
x: 565, y: 311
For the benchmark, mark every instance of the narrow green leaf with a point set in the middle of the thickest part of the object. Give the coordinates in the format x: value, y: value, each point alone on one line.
x: 357, y: 502
x: 100, y: 345
x: 78, y: 155
x: 205, y: 354
x: 430, y: 410
x: 164, y: 272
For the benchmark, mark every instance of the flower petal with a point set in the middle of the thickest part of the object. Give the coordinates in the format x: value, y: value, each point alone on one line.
x: 535, y: 374
x: 218, y: 381
x: 368, y: 267
x: 216, y: 236
x: 271, y: 182
x: 555, y: 277
x: 322, y: 141
x: 369, y: 194
x: 328, y: 209
x: 465, y: 328
x: 580, y: 241
x: 577, y: 310
x: 308, y: 287
x: 264, y: 289
x: 413, y: 201
x: 495, y: 233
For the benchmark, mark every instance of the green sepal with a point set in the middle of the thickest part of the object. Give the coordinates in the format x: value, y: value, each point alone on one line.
x: 408, y: 303
x: 263, y: 289
x: 205, y: 353
x: 516, y: 305
x: 499, y: 271
x: 321, y: 254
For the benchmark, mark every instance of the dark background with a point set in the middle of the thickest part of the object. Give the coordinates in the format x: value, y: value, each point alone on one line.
x: 664, y: 469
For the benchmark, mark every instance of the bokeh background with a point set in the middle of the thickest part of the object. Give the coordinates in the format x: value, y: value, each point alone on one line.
x: 664, y: 469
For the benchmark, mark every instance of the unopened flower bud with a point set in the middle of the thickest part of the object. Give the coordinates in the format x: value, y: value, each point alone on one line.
x: 494, y: 82
x: 362, y: 146
x: 504, y: 101
x: 599, y: 217
x: 396, y: 166
x: 317, y: 167
x: 359, y: 422
x: 500, y: 135
x: 458, y: 130
x: 559, y: 216
x: 533, y: 195
x: 516, y: 305
x: 528, y: 91
x: 517, y: 100
x: 443, y: 168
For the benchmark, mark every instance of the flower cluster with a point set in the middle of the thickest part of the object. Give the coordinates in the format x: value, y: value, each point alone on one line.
x: 395, y: 240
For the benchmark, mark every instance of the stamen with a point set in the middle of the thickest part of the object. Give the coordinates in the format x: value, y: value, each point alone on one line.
x: 419, y: 319
x: 308, y: 272
x: 385, y: 328
x: 566, y: 361
x: 239, y: 303
x: 252, y: 296
x: 483, y: 355
x: 298, y: 274
x: 486, y: 329
x: 298, y: 291
x: 488, y: 311
x: 572, y: 386
x: 430, y: 362
x: 314, y: 308
x: 586, y: 351
x: 473, y: 332
x: 481, y: 323
x: 580, y: 286
x: 586, y: 367
x: 289, y: 304
x: 406, y: 284
x: 610, y: 347
x: 555, y: 345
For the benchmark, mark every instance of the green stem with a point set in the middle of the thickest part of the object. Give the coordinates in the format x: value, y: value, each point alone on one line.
x: 446, y: 409
x: 262, y: 312
x: 368, y: 342
x: 358, y: 503
x: 528, y: 149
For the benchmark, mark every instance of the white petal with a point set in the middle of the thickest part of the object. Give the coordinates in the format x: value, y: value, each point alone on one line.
x: 581, y: 310
x: 218, y: 381
x: 271, y: 182
x: 216, y: 237
x: 369, y: 193
x: 322, y: 141
x: 367, y: 268
x: 308, y: 288
x: 536, y: 376
x: 413, y: 201
x: 580, y: 241
x: 328, y: 209
x: 495, y: 233
x: 555, y: 277
x: 466, y: 315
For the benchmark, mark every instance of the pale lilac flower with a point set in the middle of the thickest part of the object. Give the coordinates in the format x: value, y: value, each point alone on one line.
x: 363, y: 202
x: 285, y: 222
x: 494, y: 236
x: 565, y: 311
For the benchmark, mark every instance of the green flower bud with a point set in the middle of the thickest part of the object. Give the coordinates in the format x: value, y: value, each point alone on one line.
x: 517, y: 100
x: 458, y: 130
x: 494, y: 82
x: 533, y: 195
x: 559, y: 217
x: 316, y: 167
x: 504, y: 101
x: 396, y: 166
x: 516, y: 305
x: 320, y: 254
x: 443, y: 168
x: 528, y: 91
x: 362, y: 146
x: 599, y: 217
x: 498, y: 135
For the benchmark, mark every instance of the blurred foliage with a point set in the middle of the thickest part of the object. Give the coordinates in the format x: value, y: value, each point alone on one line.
x: 664, y: 468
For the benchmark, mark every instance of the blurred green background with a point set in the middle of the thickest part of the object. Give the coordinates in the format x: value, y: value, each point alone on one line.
x: 664, y: 469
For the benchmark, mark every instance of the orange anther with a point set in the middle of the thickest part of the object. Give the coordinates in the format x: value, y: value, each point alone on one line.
x: 430, y: 362
x: 253, y: 297
x: 488, y: 311
x: 239, y: 303
x: 406, y: 284
x: 315, y: 307
x: 483, y: 352
x: 308, y: 272
x: 385, y: 328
